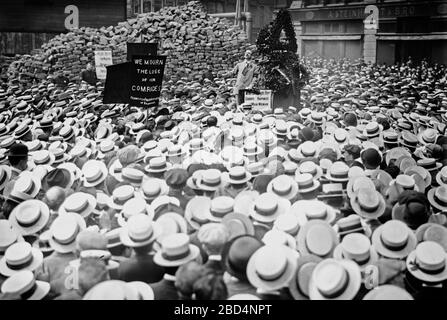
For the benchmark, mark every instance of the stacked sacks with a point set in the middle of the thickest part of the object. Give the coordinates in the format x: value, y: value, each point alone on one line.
x: 192, y: 40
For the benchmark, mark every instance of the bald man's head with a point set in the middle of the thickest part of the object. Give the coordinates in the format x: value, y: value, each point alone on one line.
x: 54, y: 197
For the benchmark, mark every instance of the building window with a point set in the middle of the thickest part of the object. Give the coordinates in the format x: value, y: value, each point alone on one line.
x: 313, y: 2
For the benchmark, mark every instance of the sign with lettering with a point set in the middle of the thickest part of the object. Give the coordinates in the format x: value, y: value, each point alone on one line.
x: 102, y: 60
x: 141, y: 49
x: 147, y: 78
x: 359, y: 13
x: 261, y: 102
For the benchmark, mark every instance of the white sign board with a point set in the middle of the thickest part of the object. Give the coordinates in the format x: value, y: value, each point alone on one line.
x: 102, y: 59
x: 262, y: 101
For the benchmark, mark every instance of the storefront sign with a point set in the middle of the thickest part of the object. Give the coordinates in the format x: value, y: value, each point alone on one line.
x: 354, y: 13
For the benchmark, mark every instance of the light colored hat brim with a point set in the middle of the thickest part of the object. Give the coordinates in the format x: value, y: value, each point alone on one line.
x: 433, y: 203
x: 366, y: 229
x: 104, y: 173
x: 438, y: 180
x: 319, y: 173
x: 283, y: 207
x: 66, y: 248
x: 296, y: 292
x: 112, y: 172
x: 331, y: 213
x: 87, y: 211
x: 355, y: 281
x: 144, y: 290
x: 194, y: 252
x: 341, y: 180
x: 292, y: 193
x: 42, y: 289
x: 243, y: 220
x: 302, y: 233
x: 316, y: 185
x: 278, y: 283
x: 373, y: 256
x: 36, y: 227
x: 126, y: 241
x: 150, y: 170
x: 393, y: 254
x: 37, y: 261
x: 369, y: 215
x: 423, y: 276
x: 226, y: 178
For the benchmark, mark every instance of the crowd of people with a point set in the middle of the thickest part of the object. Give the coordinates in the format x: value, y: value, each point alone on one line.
x: 344, y: 197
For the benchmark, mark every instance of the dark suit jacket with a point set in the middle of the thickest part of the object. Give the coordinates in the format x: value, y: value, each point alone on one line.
x: 165, y: 290
x: 140, y: 268
x: 214, y: 266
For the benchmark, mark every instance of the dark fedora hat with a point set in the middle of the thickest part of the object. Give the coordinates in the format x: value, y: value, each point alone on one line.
x: 237, y: 253
x: 57, y: 177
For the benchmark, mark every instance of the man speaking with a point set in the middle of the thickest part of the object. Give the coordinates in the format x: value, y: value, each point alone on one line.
x: 247, y: 72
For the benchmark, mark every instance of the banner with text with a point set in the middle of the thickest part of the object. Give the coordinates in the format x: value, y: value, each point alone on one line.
x: 260, y: 102
x: 146, y: 79
x: 102, y: 60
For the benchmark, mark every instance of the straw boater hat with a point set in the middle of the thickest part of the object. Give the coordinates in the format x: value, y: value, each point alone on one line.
x: 219, y: 208
x: 176, y: 250
x: 287, y: 223
x: 432, y: 232
x: 20, y: 256
x: 388, y: 292
x: 424, y: 174
x: 307, y: 210
x: 430, y: 164
x: 139, y: 231
x: 306, y: 183
x: 236, y: 175
x: 209, y: 180
x: 271, y: 267
x: 153, y: 188
x: 335, y: 280
x: 307, y: 149
x: 196, y: 211
x: 427, y: 262
x: 30, y: 217
x: 438, y: 197
x: 283, y: 186
x: 132, y: 207
x: 394, y: 240
x: 158, y: 165
x: 368, y: 203
x: 64, y: 230
x: 94, y: 173
x: 267, y: 207
x: 8, y: 236
x: 357, y: 182
x: 310, y: 167
x: 25, y: 285
x: 338, y: 172
x: 171, y: 223
x: 80, y: 203
x: 317, y: 237
x: 120, y: 196
x: 112, y: 290
x: 441, y: 176
x: 299, y: 285
x: 27, y: 185
x: 356, y: 247
x: 352, y: 224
